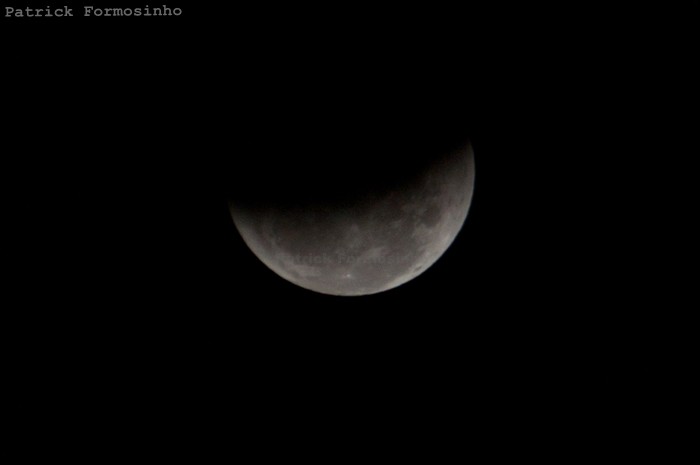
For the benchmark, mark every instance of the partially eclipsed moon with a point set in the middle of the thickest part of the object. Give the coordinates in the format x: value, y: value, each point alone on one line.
x: 375, y: 243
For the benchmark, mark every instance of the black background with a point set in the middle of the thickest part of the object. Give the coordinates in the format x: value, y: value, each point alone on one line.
x: 133, y: 286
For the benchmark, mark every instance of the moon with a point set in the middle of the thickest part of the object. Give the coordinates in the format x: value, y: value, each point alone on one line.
x: 371, y: 241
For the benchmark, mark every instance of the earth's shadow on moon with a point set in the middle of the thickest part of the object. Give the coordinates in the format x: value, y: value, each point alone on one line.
x: 352, y: 216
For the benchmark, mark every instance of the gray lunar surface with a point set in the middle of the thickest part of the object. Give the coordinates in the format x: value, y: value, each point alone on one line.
x: 376, y: 243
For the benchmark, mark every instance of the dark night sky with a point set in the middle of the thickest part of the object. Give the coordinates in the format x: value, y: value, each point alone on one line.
x: 121, y: 146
